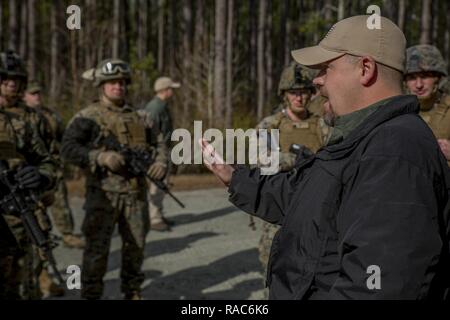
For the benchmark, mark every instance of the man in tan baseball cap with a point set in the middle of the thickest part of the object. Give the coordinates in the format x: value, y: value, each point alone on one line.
x: 164, y: 83
x: 351, y: 50
x: 353, y: 36
x: 361, y: 218
x: 158, y: 111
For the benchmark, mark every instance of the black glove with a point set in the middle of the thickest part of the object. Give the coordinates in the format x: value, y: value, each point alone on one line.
x: 29, y: 177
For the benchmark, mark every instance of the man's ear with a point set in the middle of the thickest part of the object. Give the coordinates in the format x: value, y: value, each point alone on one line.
x: 369, y: 70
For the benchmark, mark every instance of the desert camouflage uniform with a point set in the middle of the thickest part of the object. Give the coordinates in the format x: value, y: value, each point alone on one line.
x: 29, y: 132
x: 17, y: 263
x: 111, y: 198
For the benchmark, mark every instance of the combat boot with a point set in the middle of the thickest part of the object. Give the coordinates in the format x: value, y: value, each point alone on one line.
x: 73, y: 241
x: 160, y: 226
x: 168, y: 221
x: 134, y: 295
x: 48, y: 287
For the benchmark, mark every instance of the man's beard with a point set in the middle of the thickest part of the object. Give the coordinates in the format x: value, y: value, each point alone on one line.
x: 329, y: 116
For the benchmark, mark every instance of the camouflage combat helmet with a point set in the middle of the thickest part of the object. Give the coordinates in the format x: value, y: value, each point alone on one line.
x: 33, y: 87
x: 295, y: 76
x: 425, y: 58
x: 109, y: 69
x: 13, y: 65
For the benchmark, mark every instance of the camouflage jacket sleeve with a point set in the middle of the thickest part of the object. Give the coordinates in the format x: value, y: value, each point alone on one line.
x: 77, y: 145
x: 162, y: 152
x: 43, y: 128
x: 36, y: 154
x: 55, y: 148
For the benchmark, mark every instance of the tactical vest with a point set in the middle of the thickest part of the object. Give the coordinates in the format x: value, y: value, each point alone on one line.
x: 7, y: 139
x: 305, y: 132
x: 438, y: 118
x: 127, y: 127
x: 47, y: 113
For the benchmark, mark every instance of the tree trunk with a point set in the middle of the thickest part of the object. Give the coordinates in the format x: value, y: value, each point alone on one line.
x: 401, y: 14
x: 125, y: 31
x: 425, y: 33
x: 447, y: 34
x: 187, y: 56
x: 116, y: 29
x: 287, y: 50
x: 284, y: 35
x: 210, y: 81
x: 328, y: 14
x: 200, y: 52
x: 91, y: 17
x: 74, y: 67
x: 341, y: 10
x: 171, y: 21
x: 389, y: 9
x: 13, y: 27
x: 1, y: 26
x: 54, y: 48
x: 268, y: 51
x: 260, y: 58
x: 219, y: 61
x: 435, y: 23
x: 161, y: 23
x: 23, y: 30
x: 31, y: 39
x: 229, y: 86
x: 253, y: 42
x: 142, y: 28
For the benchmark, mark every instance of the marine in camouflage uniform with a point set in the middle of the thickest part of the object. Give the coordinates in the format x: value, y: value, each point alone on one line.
x: 20, y: 147
x: 112, y: 196
x: 296, y: 125
x: 58, y: 198
x: 426, y: 76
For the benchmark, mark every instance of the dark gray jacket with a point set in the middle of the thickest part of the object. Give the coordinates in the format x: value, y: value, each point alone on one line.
x: 378, y: 198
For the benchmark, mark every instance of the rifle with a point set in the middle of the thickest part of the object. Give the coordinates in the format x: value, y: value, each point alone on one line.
x: 21, y: 201
x: 138, y: 161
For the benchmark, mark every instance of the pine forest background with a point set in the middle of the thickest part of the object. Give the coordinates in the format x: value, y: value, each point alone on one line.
x: 228, y: 54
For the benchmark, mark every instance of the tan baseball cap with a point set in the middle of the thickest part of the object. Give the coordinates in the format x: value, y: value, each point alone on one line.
x: 165, y: 83
x: 387, y: 45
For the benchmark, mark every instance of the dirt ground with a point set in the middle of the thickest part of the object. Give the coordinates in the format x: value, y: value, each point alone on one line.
x: 211, y: 253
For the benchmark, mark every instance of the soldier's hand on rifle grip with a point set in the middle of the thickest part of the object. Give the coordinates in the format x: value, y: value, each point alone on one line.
x: 29, y: 177
x: 157, y: 171
x: 112, y: 160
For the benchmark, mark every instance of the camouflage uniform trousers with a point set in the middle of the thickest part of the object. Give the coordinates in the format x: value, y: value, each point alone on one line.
x: 155, y: 201
x: 20, y: 265
x: 103, y: 211
x: 265, y: 243
x: 60, y: 209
